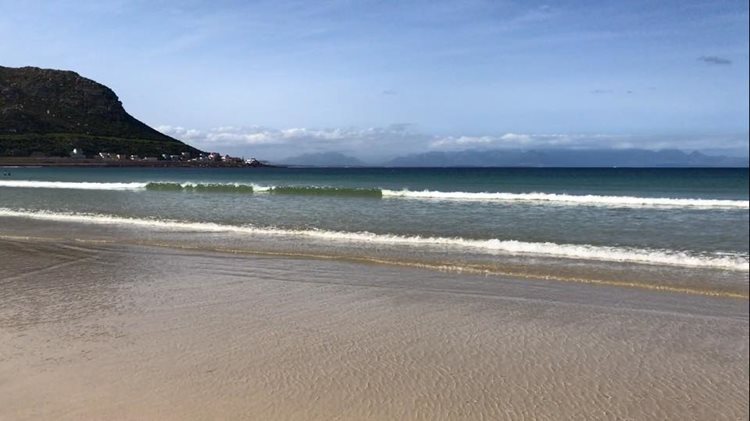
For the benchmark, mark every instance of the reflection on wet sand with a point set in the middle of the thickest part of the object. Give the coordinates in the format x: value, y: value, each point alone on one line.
x: 104, y: 331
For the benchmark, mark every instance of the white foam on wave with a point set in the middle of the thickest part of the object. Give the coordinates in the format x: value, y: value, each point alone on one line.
x: 570, y: 199
x: 75, y: 185
x: 130, y: 186
x: 734, y: 262
x: 262, y: 189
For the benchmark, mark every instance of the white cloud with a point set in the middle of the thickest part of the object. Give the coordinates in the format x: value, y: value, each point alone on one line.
x: 181, y: 132
x: 373, y: 142
x: 256, y: 135
x: 377, y: 143
x: 529, y: 141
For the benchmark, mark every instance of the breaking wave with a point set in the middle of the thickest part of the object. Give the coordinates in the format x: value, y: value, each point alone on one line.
x: 530, y: 198
x: 73, y: 185
x: 726, y: 261
x: 325, y: 191
x: 254, y: 188
x: 201, y: 187
x: 570, y: 199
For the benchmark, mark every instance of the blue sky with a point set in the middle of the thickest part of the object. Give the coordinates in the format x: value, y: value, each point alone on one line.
x: 382, y: 78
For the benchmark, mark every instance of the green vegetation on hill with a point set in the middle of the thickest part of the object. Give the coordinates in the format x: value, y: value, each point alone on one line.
x: 50, y: 112
x: 61, y: 144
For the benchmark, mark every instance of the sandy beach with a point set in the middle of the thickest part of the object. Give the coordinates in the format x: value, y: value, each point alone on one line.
x: 98, y: 330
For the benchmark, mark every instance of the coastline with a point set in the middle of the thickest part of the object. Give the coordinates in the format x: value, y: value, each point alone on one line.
x: 210, y: 334
x: 9, y: 162
x: 238, y: 240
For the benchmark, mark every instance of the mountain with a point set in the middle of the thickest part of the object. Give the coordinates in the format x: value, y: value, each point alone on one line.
x: 566, y: 158
x: 324, y: 159
x: 50, y: 112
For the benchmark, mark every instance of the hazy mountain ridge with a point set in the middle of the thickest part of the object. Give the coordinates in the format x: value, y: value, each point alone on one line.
x: 530, y: 158
x: 324, y: 159
x: 566, y: 158
x: 52, y: 111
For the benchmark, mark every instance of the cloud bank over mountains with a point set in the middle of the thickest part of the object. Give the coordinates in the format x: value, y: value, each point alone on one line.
x: 375, y: 144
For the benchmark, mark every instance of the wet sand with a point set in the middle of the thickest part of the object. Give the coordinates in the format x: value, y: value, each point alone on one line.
x: 93, y: 330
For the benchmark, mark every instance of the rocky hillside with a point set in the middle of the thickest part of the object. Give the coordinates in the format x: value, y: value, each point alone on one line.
x: 50, y: 112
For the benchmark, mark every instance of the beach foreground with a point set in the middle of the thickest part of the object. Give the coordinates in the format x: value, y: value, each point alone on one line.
x: 99, y: 330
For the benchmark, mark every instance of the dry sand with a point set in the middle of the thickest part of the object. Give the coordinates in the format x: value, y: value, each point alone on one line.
x: 102, y: 331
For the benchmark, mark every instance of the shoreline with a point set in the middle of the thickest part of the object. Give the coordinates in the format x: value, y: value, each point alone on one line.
x: 87, y: 229
x: 6, y: 162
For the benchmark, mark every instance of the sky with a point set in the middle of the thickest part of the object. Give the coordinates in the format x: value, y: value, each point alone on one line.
x: 377, y: 79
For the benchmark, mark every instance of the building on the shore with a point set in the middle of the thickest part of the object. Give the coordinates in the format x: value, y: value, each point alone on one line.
x: 77, y: 153
x: 232, y: 159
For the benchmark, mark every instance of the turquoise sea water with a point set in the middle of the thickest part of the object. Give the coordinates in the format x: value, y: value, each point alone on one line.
x: 676, y: 217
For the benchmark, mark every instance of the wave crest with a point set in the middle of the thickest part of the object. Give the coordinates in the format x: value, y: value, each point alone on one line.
x: 570, y: 199
x: 201, y: 187
x: 72, y: 185
x: 326, y: 191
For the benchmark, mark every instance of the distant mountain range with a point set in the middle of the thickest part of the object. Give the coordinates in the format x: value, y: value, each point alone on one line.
x: 324, y: 159
x: 567, y: 158
x: 535, y: 158
x: 50, y: 112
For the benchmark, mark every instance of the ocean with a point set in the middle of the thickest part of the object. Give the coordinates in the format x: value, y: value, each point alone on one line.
x: 671, y: 228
